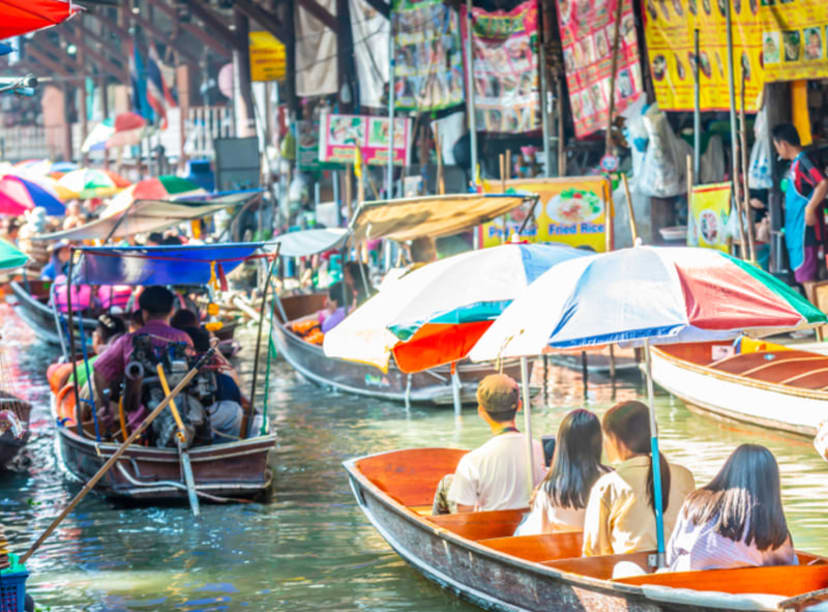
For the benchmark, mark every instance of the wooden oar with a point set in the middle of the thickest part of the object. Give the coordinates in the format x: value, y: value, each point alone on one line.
x: 117, y: 455
x: 181, y: 440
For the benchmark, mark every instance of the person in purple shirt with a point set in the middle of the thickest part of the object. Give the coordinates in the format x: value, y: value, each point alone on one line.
x: 334, y: 313
x: 156, y: 304
x: 736, y: 520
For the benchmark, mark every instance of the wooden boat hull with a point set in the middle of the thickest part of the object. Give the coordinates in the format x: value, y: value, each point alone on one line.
x: 10, y: 445
x: 736, y: 398
x: 236, y: 469
x: 430, y: 387
x: 40, y: 317
x: 481, y: 569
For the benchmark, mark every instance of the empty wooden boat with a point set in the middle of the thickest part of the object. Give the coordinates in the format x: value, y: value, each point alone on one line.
x: 764, y: 385
x: 475, y: 555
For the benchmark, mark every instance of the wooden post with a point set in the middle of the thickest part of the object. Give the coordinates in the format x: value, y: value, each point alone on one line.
x: 348, y: 190
x: 501, y: 159
x: 745, y: 183
x: 616, y: 43
x: 690, y: 182
x: 561, y: 148
x: 630, y: 209
x: 441, y: 179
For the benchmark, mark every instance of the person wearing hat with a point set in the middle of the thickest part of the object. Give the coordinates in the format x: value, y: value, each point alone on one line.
x: 59, y: 257
x: 493, y: 476
x: 156, y: 304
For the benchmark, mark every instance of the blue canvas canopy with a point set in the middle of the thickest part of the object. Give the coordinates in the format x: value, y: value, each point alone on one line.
x: 161, y: 265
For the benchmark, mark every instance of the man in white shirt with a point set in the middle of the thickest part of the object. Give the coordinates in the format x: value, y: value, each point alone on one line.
x: 494, y: 476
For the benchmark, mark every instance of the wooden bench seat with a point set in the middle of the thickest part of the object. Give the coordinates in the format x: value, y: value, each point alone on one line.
x: 481, y: 525
x: 545, y: 547
x: 599, y: 567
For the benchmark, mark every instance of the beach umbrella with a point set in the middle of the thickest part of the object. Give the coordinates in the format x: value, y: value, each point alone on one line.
x: 123, y: 130
x: 24, y: 16
x: 36, y: 168
x: 435, y: 314
x: 18, y: 195
x: 93, y: 182
x: 164, y: 187
x: 11, y: 257
x: 640, y: 296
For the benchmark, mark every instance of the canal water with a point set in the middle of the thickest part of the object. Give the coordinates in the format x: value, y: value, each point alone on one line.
x: 310, y: 548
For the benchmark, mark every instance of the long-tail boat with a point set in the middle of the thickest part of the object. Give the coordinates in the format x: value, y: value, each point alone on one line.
x: 476, y: 556
x: 759, y: 383
x: 237, y: 468
x: 399, y: 220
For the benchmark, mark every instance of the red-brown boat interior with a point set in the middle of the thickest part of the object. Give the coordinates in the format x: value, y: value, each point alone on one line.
x: 791, y: 367
x: 410, y: 477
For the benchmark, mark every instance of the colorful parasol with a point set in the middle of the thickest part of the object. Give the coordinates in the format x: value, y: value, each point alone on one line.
x: 35, y: 168
x: 125, y: 129
x: 93, y: 182
x: 11, y: 257
x: 165, y: 187
x: 18, y: 195
x: 435, y: 314
x: 24, y: 16
x: 640, y: 296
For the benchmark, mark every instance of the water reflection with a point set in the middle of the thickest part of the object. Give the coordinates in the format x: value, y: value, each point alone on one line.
x: 310, y: 548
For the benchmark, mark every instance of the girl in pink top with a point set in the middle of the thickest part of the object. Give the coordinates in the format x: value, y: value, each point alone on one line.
x: 736, y: 520
x: 560, y: 500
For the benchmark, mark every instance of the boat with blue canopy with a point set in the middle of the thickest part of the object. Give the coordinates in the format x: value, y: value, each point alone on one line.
x: 217, y: 469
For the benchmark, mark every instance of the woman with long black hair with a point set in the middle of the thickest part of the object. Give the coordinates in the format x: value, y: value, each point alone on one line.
x: 560, y: 500
x: 736, y: 520
x: 620, y: 514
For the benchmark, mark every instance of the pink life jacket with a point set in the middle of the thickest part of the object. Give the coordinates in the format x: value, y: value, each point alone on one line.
x: 81, y: 295
x: 114, y: 296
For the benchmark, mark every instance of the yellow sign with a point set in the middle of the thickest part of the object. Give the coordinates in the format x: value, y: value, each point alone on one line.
x: 268, y: 60
x: 571, y: 210
x: 773, y: 40
x: 709, y: 212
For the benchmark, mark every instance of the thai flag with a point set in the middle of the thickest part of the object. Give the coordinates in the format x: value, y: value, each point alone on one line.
x: 137, y: 77
x: 159, y: 95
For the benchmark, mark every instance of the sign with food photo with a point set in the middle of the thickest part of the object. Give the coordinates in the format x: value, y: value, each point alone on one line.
x: 571, y: 210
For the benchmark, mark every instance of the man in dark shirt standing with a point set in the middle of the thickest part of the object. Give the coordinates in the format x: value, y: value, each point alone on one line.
x: 804, y: 200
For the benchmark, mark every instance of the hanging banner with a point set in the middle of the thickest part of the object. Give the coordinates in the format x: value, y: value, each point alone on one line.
x: 773, y: 40
x: 428, y: 72
x: 571, y: 210
x: 587, y: 30
x: 339, y: 136
x: 370, y: 30
x: 709, y: 212
x: 505, y: 44
x: 268, y: 60
x: 317, y: 73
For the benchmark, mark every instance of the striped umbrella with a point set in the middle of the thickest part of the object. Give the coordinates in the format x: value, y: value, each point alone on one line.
x: 24, y: 16
x: 125, y: 129
x: 164, y: 187
x: 435, y: 314
x: 93, y: 182
x: 35, y: 168
x: 640, y: 296
x: 18, y: 195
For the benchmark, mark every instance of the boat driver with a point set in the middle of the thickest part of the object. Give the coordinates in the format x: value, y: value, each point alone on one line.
x: 493, y: 476
x: 156, y: 305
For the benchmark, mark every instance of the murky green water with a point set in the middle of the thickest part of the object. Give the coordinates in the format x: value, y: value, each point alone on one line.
x: 310, y: 548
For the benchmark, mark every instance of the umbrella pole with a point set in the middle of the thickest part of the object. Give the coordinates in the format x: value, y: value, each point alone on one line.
x: 455, y: 390
x: 527, y: 421
x: 655, y: 458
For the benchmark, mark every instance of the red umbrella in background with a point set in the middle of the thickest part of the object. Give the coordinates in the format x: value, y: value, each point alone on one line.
x: 22, y: 16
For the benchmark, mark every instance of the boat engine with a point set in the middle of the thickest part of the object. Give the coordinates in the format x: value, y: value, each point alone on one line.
x: 190, y: 402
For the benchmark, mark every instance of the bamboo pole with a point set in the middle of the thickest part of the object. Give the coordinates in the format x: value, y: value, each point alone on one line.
x: 630, y: 210
x: 501, y: 159
x: 745, y: 185
x: 690, y: 182
x: 117, y: 455
x: 616, y: 43
x: 441, y: 179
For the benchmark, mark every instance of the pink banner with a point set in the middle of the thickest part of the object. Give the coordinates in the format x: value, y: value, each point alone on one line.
x: 587, y: 30
x: 339, y: 136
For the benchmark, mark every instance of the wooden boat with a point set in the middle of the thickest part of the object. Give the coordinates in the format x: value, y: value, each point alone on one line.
x: 475, y: 555
x: 780, y: 388
x: 430, y: 387
x: 32, y: 305
x: 10, y: 443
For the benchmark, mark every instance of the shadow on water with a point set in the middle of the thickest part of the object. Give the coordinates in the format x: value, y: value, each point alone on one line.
x: 310, y: 547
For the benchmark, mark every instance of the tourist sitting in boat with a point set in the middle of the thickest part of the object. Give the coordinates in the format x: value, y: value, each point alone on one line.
x: 108, y: 329
x: 493, y: 476
x: 226, y: 411
x: 736, y: 520
x: 156, y: 304
x: 560, y: 500
x: 184, y: 319
x: 620, y: 514
x: 58, y: 261
x: 334, y: 312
